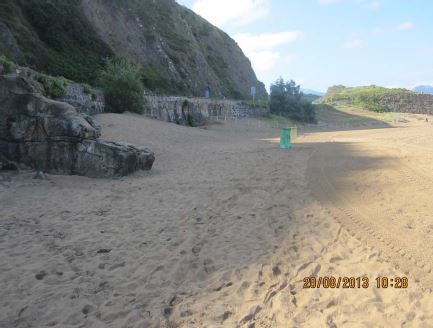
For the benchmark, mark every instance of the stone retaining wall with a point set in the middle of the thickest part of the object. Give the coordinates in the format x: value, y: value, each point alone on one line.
x: 414, y: 103
x: 89, y: 103
x: 195, y: 111
x: 409, y: 103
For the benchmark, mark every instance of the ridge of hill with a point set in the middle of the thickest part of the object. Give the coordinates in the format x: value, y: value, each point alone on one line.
x: 375, y: 98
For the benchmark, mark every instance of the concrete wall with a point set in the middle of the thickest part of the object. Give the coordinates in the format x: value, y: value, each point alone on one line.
x: 183, y: 110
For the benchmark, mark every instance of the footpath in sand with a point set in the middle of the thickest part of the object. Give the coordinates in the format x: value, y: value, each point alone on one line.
x: 223, y: 230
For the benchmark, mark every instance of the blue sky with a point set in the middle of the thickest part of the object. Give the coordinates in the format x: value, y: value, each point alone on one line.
x: 320, y: 43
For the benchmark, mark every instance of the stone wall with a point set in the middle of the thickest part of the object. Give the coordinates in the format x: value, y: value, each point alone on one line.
x: 183, y: 110
x: 89, y: 103
x: 416, y: 103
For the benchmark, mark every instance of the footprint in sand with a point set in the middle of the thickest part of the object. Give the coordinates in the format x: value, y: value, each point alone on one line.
x: 41, y: 275
x: 197, y: 248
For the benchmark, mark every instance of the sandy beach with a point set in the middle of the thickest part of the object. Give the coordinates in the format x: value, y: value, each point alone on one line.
x: 226, y: 226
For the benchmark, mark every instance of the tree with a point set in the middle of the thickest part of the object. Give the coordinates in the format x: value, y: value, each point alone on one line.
x: 287, y: 100
x: 121, y: 81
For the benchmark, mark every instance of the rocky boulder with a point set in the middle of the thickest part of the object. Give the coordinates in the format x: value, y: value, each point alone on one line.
x: 52, y: 136
x: 106, y: 158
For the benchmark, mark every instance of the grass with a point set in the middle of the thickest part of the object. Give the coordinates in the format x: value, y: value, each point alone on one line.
x: 8, y: 66
x: 54, y: 87
x: 87, y: 88
x: 349, y: 115
x: 281, y: 121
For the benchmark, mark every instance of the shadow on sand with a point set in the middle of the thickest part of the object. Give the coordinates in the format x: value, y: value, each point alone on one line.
x: 331, y: 118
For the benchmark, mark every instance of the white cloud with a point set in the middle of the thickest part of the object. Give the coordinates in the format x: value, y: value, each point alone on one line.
x: 373, y: 5
x: 406, y: 26
x: 263, y: 61
x: 236, y: 12
x: 355, y: 44
x: 329, y: 2
x: 249, y: 42
x: 288, y: 59
x: 368, y: 4
x: 261, y: 48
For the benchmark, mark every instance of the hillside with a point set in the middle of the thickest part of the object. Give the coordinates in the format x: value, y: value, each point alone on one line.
x: 372, y: 97
x: 180, y: 52
x: 312, y: 92
x: 310, y: 97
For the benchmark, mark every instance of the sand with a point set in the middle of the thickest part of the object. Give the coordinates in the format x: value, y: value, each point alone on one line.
x: 223, y: 230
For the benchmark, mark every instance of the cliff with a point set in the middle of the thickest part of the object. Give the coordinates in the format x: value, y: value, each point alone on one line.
x: 181, y: 53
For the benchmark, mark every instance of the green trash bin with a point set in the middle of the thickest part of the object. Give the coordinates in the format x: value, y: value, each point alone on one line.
x: 285, y: 138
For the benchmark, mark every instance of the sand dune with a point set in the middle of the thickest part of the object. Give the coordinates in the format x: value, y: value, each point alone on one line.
x: 223, y: 230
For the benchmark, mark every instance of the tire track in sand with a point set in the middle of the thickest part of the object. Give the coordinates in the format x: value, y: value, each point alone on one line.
x: 396, y: 246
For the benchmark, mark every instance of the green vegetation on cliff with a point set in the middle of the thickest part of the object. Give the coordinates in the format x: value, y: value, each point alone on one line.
x: 6, y: 65
x: 53, y: 87
x: 121, y: 82
x: 54, y: 37
x: 368, y: 97
x: 180, y: 52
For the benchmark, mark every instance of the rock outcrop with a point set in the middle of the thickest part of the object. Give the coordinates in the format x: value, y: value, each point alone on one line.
x: 52, y: 136
x: 85, y: 99
x: 97, y: 158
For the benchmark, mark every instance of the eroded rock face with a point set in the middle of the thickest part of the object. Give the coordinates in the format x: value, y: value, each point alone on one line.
x: 107, y: 159
x: 53, y: 137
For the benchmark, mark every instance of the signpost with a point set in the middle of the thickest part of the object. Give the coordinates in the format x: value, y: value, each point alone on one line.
x: 253, y: 93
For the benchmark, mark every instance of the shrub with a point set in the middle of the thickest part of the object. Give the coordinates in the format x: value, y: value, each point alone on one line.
x: 8, y: 66
x: 190, y: 120
x: 87, y: 88
x: 124, y: 91
x: 53, y: 87
x: 287, y: 100
x: 188, y: 117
